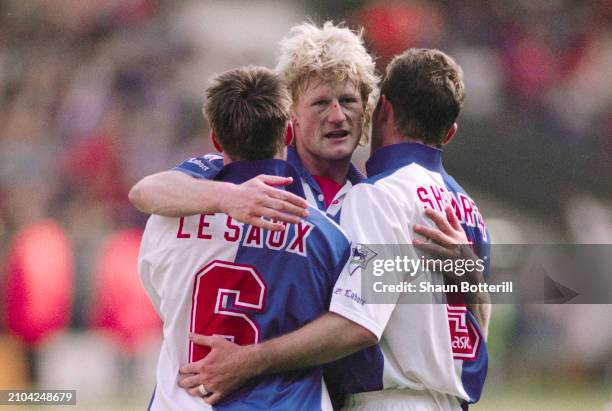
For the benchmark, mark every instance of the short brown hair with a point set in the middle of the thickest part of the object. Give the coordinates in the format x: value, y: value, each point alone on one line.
x: 248, y: 108
x: 425, y: 88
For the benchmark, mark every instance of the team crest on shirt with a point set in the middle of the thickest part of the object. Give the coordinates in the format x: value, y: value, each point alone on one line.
x: 361, y: 256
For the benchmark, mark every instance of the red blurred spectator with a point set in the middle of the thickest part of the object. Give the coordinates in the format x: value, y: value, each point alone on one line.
x: 94, y: 167
x: 39, y: 281
x: 391, y: 28
x: 531, y: 66
x: 120, y: 304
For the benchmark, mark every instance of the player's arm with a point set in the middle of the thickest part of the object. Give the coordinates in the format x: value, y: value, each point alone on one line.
x: 228, y: 366
x: 450, y: 241
x: 173, y: 194
x: 348, y: 327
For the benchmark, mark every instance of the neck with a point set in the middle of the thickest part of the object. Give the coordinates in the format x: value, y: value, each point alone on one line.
x: 419, y: 141
x: 336, y: 170
x: 395, y: 138
x: 280, y: 155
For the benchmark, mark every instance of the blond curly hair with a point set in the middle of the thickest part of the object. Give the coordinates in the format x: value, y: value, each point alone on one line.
x: 334, y: 53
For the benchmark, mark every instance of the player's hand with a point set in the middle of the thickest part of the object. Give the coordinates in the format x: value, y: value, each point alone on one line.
x: 226, y: 368
x: 448, y: 238
x: 258, y: 197
x: 449, y: 241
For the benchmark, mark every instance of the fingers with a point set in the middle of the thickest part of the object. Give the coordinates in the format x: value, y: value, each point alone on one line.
x: 433, y: 249
x: 452, y: 218
x: 204, y: 340
x: 286, y: 207
x: 432, y: 233
x: 191, y: 368
x: 275, y: 180
x: 195, y: 392
x: 296, y: 200
x: 449, y: 230
x: 258, y: 221
x: 289, y: 202
x: 278, y: 217
x: 189, y: 381
x: 281, y: 213
x: 215, y: 398
x: 439, y: 219
x: 259, y: 198
x: 277, y: 206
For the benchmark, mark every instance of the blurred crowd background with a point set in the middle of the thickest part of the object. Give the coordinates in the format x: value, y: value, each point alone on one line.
x: 95, y: 95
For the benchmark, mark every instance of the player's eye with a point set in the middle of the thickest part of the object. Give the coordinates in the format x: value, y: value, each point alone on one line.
x: 348, y: 100
x: 321, y: 102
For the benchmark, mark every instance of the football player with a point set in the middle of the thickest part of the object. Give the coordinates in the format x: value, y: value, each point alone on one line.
x: 211, y: 274
x: 333, y: 85
x: 435, y: 355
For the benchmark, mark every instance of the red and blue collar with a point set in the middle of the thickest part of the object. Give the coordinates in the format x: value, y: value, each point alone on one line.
x: 354, y: 175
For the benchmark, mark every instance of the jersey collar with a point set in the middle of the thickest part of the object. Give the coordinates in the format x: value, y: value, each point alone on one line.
x: 399, y: 155
x: 354, y: 175
x: 238, y: 172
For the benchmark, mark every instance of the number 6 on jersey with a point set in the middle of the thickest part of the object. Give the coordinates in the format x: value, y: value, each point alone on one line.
x: 211, y: 309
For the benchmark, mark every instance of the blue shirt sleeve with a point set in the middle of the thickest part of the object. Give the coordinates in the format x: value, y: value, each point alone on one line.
x: 204, y: 167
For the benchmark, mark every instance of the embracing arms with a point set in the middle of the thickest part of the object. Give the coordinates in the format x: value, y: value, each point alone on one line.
x: 228, y: 365
x: 174, y: 194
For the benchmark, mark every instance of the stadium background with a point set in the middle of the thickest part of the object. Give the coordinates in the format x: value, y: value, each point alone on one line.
x: 95, y: 95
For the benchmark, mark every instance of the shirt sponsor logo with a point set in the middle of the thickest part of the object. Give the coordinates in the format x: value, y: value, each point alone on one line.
x: 199, y: 163
x: 465, y: 339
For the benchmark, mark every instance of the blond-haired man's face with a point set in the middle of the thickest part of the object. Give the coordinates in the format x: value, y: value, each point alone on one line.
x: 328, y: 119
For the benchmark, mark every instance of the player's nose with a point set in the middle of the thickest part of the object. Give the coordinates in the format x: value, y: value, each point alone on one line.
x: 336, y: 113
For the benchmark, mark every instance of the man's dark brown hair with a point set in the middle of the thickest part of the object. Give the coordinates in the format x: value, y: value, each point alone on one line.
x: 425, y: 88
x: 248, y: 108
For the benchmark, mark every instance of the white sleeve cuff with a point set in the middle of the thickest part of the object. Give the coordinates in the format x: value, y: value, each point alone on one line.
x: 356, y: 317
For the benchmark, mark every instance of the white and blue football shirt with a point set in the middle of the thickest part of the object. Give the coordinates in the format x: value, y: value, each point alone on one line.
x: 213, y: 275
x: 345, y: 375
x: 207, y: 165
x: 426, y: 347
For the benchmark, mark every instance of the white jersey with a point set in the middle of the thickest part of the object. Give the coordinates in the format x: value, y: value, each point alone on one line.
x: 212, y: 275
x: 418, y: 341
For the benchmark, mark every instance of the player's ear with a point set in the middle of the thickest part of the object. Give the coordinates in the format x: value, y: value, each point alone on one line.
x: 289, y: 133
x: 294, y: 119
x: 380, y: 112
x: 213, y: 138
x: 450, y: 134
x: 385, y: 111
